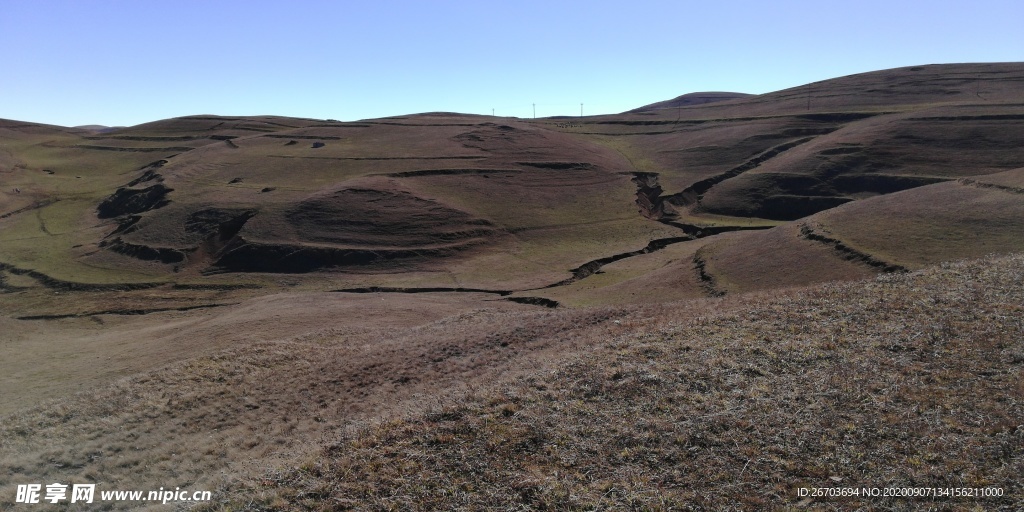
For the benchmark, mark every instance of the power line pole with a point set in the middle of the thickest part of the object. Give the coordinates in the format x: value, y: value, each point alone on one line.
x: 581, y: 110
x: 535, y: 111
x: 492, y: 112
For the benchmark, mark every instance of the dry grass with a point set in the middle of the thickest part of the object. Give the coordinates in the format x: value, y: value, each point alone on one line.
x: 905, y: 380
x: 207, y: 421
x: 723, y: 403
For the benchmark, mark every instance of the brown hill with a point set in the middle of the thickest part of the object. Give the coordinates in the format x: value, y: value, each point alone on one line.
x: 573, y: 408
x: 693, y: 98
x: 321, y: 262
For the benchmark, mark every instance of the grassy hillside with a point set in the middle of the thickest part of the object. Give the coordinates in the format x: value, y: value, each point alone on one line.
x: 546, y: 313
x: 901, y: 381
x: 448, y: 198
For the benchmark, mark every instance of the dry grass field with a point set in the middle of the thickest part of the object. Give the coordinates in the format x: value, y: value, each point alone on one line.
x: 703, y: 303
x: 900, y: 381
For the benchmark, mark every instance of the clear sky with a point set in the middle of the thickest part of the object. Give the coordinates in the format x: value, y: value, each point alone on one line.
x: 125, y: 62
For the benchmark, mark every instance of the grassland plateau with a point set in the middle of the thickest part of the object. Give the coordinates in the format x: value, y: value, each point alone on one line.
x: 708, y: 302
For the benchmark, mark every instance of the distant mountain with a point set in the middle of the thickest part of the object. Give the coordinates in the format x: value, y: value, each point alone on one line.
x: 97, y: 128
x: 693, y: 98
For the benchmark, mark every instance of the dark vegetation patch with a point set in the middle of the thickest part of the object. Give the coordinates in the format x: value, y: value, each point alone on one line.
x: 127, y: 201
x: 126, y: 224
x: 148, y: 173
x: 535, y: 301
x: 223, y: 223
x: 144, y: 252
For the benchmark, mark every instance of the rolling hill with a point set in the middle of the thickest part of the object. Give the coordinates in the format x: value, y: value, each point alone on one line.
x: 247, y: 285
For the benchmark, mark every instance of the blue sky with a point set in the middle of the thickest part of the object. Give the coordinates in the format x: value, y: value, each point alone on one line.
x: 127, y: 62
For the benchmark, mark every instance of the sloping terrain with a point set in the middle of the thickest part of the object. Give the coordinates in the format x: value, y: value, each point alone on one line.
x: 208, y: 260
x: 902, y: 380
x: 447, y: 198
x: 841, y: 179
x: 908, y: 381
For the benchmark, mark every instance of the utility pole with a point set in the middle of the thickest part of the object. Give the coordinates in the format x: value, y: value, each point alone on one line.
x: 581, y: 110
x: 492, y: 112
x: 535, y: 111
